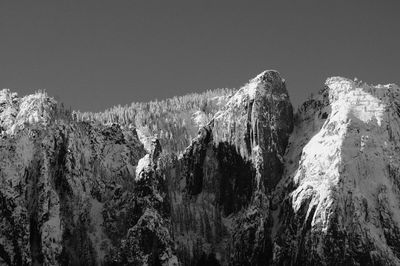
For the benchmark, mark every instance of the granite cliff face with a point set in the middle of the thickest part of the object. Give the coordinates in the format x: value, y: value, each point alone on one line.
x: 220, y: 187
x: 257, y: 186
x: 341, y: 199
x: 68, y: 194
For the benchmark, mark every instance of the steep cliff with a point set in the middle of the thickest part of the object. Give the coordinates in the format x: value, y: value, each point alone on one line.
x: 341, y: 200
x: 257, y: 186
x: 220, y: 187
x: 333, y: 198
x: 68, y: 194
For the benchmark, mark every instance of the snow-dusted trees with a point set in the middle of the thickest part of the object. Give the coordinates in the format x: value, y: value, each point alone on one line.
x: 169, y: 119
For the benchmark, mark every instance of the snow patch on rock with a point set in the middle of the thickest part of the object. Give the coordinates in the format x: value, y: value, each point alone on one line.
x: 16, y: 112
x: 143, y: 166
x: 340, y: 159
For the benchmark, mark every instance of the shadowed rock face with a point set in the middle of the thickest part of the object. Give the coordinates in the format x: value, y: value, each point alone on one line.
x: 220, y: 188
x: 148, y: 241
x: 57, y: 186
x: 257, y: 186
x: 257, y: 121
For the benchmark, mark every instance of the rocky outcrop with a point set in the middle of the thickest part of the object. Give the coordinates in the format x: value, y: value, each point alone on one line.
x: 341, y: 200
x: 17, y: 113
x: 257, y: 186
x: 241, y: 196
x: 54, y: 186
x: 220, y: 188
x: 59, y: 180
x: 148, y: 241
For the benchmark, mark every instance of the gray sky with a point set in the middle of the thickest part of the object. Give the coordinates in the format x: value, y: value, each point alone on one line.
x: 96, y: 54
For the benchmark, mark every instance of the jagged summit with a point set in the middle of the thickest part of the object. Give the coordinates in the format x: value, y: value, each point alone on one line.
x: 262, y: 104
x: 342, y: 181
x: 15, y: 112
x: 267, y: 82
x: 363, y: 101
x: 265, y: 75
x: 346, y: 84
x: 258, y: 185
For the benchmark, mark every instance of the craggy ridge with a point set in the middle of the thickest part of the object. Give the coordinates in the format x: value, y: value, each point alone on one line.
x: 258, y: 185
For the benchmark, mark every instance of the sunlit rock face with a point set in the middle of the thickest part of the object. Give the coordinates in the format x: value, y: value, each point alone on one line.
x: 18, y: 113
x: 340, y: 193
x: 220, y: 187
x: 243, y: 197
x: 257, y: 186
x: 65, y: 186
x: 257, y: 122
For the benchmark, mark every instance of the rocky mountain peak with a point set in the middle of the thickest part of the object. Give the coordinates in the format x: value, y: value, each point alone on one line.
x: 16, y: 112
x: 266, y: 84
x: 258, y: 185
x: 257, y: 121
x: 339, y: 164
x: 270, y: 80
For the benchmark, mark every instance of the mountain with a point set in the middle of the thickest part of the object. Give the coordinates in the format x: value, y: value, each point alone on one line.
x: 340, y: 191
x: 257, y: 184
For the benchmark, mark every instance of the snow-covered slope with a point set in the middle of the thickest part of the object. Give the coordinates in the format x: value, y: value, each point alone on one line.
x: 257, y: 186
x: 342, y: 198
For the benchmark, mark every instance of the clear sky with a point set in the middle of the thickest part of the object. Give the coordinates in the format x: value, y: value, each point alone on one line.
x: 94, y: 54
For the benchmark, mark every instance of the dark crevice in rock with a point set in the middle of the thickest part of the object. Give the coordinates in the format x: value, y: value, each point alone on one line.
x: 6, y: 207
x: 272, y: 170
x: 249, y: 134
x: 193, y: 161
x: 4, y: 255
x: 35, y: 241
x: 60, y: 181
x: 32, y: 177
x: 208, y: 260
x: 77, y: 247
x: 237, y: 179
